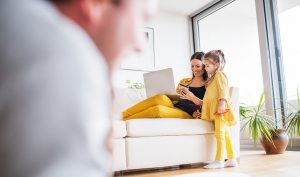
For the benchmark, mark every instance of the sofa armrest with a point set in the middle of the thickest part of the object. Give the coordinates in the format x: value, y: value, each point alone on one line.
x: 235, y: 130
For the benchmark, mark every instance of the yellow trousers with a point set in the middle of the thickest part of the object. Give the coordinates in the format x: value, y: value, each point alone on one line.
x: 223, y: 137
x: 158, y: 106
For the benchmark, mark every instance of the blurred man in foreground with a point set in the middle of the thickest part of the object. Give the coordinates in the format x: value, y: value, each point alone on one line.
x: 56, y: 60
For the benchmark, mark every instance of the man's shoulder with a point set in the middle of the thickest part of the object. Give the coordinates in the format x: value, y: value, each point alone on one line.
x: 50, y: 42
x: 48, y: 37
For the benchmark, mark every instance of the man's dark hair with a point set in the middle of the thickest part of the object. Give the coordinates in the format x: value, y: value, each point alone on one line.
x: 116, y: 1
x: 65, y: 1
x: 60, y: 1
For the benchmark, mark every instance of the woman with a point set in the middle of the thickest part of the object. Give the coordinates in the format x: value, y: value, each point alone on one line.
x: 161, y: 106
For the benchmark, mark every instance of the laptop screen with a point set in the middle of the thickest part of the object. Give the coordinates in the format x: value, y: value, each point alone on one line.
x: 159, y: 82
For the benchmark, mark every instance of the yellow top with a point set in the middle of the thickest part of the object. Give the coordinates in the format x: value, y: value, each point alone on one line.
x: 185, y: 81
x: 217, y: 89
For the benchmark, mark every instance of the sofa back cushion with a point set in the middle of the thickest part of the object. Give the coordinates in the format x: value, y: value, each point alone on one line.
x: 234, y: 95
x: 124, y: 98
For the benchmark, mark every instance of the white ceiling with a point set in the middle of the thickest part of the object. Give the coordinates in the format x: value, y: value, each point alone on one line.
x: 184, y: 7
x: 188, y: 7
x: 287, y: 4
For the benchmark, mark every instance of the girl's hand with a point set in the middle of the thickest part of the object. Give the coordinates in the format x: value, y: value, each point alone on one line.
x: 222, y: 106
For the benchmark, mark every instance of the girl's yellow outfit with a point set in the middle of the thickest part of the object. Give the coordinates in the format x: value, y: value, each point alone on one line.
x: 158, y: 106
x: 217, y: 88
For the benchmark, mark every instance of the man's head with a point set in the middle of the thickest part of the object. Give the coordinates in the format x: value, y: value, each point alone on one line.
x: 114, y: 25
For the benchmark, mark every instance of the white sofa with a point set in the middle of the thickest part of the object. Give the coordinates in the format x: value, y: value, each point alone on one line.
x: 162, y: 142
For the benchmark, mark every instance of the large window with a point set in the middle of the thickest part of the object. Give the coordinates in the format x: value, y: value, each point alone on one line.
x: 232, y: 27
x: 260, y: 39
x: 289, y: 25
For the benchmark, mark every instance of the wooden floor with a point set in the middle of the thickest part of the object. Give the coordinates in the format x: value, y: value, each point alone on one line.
x: 252, y: 163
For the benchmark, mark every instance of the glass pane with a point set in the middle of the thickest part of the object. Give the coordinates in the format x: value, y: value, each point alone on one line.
x: 233, y: 29
x: 289, y: 24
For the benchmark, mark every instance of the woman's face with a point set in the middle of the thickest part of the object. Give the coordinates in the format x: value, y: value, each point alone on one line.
x: 197, y: 67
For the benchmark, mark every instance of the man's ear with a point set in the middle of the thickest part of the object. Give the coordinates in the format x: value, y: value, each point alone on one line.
x: 116, y: 2
x: 92, y: 10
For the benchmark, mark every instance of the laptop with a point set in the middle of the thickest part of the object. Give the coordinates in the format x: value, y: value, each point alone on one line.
x: 159, y: 82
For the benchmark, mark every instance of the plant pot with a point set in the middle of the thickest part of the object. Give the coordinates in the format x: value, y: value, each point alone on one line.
x: 279, y: 144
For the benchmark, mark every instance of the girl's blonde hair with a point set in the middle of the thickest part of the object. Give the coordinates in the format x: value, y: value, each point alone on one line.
x: 216, y: 56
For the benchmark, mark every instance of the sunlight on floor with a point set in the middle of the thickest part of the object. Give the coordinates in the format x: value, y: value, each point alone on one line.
x: 252, y: 163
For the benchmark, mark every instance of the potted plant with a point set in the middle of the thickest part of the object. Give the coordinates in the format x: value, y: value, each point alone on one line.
x: 137, y: 89
x: 260, y: 125
x: 293, y: 119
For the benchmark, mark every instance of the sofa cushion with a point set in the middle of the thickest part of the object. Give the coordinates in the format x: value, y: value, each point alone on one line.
x: 162, y: 151
x: 168, y: 126
x: 119, y: 129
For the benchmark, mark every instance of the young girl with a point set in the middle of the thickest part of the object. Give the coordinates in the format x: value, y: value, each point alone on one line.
x: 216, y: 106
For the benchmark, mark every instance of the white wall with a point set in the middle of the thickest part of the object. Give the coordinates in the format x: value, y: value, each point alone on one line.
x: 172, y: 48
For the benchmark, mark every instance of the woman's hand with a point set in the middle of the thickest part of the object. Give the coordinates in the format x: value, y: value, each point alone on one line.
x: 222, y: 106
x: 187, y: 95
x: 197, y: 114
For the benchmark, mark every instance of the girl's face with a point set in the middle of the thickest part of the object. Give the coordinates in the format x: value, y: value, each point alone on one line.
x: 197, y: 67
x: 210, y: 66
